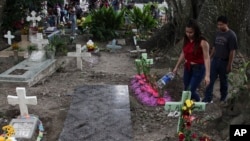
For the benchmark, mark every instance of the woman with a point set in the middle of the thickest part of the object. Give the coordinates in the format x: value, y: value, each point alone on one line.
x: 195, y: 52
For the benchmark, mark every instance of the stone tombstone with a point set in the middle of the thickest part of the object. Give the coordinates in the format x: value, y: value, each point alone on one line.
x: 24, y: 128
x: 113, y: 46
x: 33, y: 18
x: 40, y: 54
x: 22, y: 100
x: 79, y: 55
x: 9, y: 36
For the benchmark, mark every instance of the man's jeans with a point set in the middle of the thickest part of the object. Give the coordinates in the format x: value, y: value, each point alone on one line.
x: 218, y: 68
x: 192, y: 79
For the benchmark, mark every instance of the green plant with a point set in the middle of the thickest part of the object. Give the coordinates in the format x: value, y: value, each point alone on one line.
x: 50, y: 48
x: 31, y: 48
x: 142, y: 19
x: 59, y: 44
x: 237, y: 80
x: 104, y: 22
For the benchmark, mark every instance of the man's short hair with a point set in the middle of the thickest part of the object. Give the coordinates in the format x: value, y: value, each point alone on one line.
x: 222, y: 19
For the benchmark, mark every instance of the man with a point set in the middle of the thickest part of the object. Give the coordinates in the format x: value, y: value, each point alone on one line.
x: 223, y: 53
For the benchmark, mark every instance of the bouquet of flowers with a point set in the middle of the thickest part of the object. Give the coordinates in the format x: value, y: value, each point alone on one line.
x: 185, y: 133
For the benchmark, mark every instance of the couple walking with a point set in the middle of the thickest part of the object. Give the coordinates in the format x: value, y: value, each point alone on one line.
x: 200, y: 63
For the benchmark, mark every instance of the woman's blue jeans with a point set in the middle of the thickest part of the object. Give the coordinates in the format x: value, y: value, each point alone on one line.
x: 192, y: 79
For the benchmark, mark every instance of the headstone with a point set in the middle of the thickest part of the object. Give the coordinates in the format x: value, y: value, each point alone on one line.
x: 9, y: 37
x: 79, y: 55
x: 113, y: 46
x: 33, y: 18
x: 40, y: 54
x: 24, y: 128
x: 177, y: 106
x: 22, y: 100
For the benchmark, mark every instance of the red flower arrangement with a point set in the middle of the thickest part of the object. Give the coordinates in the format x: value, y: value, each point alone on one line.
x: 185, y: 133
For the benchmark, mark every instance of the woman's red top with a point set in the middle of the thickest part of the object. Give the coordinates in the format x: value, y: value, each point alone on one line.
x: 192, y: 55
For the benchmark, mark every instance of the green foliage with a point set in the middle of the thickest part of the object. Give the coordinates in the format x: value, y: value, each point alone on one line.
x: 18, y: 9
x: 50, y: 47
x: 57, y: 44
x: 31, y: 48
x: 104, y: 22
x: 237, y: 80
x: 142, y: 19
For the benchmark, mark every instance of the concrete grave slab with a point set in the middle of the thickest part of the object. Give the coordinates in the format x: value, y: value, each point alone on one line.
x: 32, y: 72
x: 99, y: 113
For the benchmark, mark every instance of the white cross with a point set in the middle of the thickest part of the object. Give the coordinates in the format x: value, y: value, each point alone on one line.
x: 9, y: 37
x: 40, y: 43
x: 33, y: 18
x: 79, y: 54
x: 113, y: 46
x: 138, y: 50
x: 135, y: 40
x: 22, y: 100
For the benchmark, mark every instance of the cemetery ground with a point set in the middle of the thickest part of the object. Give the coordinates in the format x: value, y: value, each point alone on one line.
x: 54, y: 96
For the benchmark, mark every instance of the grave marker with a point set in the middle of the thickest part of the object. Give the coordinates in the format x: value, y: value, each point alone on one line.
x: 22, y: 100
x: 79, y: 54
x: 113, y: 46
x: 9, y: 37
x: 144, y: 56
x: 177, y: 106
x: 33, y: 18
x: 24, y: 128
x: 138, y: 50
x: 40, y: 54
x: 135, y: 40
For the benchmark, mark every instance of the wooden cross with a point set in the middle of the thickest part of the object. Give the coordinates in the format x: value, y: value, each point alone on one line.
x: 9, y: 37
x: 79, y: 54
x: 177, y: 106
x: 33, y: 18
x: 113, y: 46
x: 22, y: 100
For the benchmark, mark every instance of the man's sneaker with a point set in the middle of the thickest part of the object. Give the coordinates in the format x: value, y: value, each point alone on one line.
x: 207, y: 102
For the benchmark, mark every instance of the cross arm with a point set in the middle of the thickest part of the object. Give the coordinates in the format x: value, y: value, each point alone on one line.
x: 12, y: 100
x: 173, y: 106
x: 199, y: 106
x: 31, y: 100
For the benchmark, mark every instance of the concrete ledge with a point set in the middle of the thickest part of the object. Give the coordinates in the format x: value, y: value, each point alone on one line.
x: 48, y: 68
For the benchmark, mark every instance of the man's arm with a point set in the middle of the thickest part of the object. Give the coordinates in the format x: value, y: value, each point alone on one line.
x: 212, y: 52
x: 230, y: 60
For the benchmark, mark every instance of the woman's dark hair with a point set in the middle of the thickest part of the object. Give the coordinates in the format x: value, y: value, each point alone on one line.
x: 197, y: 34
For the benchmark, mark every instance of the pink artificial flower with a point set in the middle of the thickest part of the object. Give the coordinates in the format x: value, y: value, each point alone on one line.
x: 160, y: 101
x: 138, y: 77
x: 141, y: 82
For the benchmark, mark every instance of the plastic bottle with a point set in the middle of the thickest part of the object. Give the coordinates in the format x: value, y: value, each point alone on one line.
x: 165, y: 79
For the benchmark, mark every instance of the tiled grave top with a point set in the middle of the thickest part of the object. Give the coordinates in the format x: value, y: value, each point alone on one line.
x: 99, y: 113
